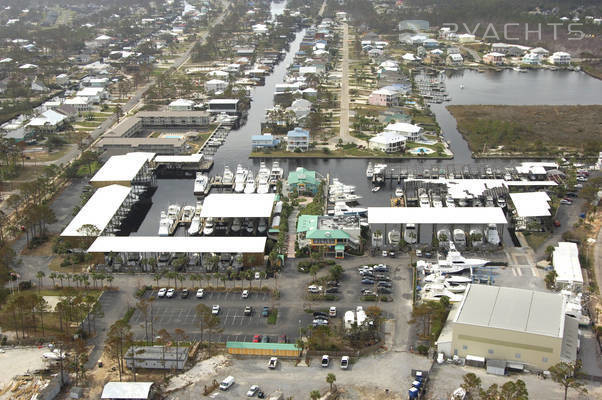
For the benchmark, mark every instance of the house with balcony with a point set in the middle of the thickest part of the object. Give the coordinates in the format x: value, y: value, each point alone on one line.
x: 303, y: 181
x: 384, y: 97
x: 265, y: 141
x: 388, y: 142
x: 410, y: 131
x: 560, y: 58
x: 329, y: 235
x: 531, y: 59
x: 494, y: 58
x: 454, y: 59
x: 297, y: 139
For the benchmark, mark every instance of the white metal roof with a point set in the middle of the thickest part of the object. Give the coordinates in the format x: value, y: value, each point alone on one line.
x: 531, y: 204
x: 190, y: 158
x: 443, y: 215
x: 178, y: 244
x: 513, y: 309
x: 224, y: 205
x: 566, y: 263
x: 122, y: 168
x: 99, y: 210
x: 126, y: 390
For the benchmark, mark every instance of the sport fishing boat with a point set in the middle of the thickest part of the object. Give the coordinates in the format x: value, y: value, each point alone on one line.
x: 200, y: 183
x: 228, y: 177
x: 240, y: 179
x: 250, y: 184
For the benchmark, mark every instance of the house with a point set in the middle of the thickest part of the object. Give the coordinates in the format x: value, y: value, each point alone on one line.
x: 560, y: 58
x: 453, y: 50
x: 331, y: 235
x: 49, y: 121
x: 98, y: 82
x: 217, y: 74
x: 466, y: 38
x: 62, y: 79
x: 128, y: 390
x: 301, y: 108
x: 303, y: 181
x: 384, y: 97
x: 96, y: 94
x: 228, y: 106
x: 67, y: 110
x: 494, y: 58
x: 410, y: 58
x: 388, y: 142
x: 430, y: 43
x: 531, y: 59
x: 297, y: 139
x: 265, y: 141
x: 412, y: 132
x: 500, y: 48
x: 181, y: 105
x: 81, y: 104
x: 540, y: 51
x: 38, y: 86
x: 454, y: 60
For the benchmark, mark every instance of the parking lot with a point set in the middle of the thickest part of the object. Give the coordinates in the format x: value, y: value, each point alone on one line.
x: 176, y: 312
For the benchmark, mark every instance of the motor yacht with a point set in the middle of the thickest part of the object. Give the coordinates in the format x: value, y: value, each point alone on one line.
x: 443, y: 236
x: 200, y: 183
x: 476, y: 237
x: 262, y: 225
x: 449, y: 201
x: 236, y: 225
x: 398, y: 192
x: 437, y: 203
x: 187, y: 214
x: 459, y: 238
x: 209, y: 227
x: 195, y: 226
x: 276, y: 173
x: 370, y: 171
x: 493, y: 236
x: 263, y: 179
x: 454, y: 262
x: 424, y: 200
x: 410, y: 234
x: 250, y: 225
x: 228, y: 177
x: 240, y: 179
x: 164, y: 224
x: 394, y: 237
x: 250, y: 184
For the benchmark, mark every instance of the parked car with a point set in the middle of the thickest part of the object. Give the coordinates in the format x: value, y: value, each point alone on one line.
x: 382, y: 278
x: 332, y: 311
x: 227, y: 383
x: 344, y: 362
x: 282, y: 339
x: 245, y: 294
x: 265, y: 339
x: 381, y: 268
x: 367, y: 292
x: 215, y: 309
x: 566, y: 201
x: 184, y: 293
x: 385, y: 284
x: 273, y: 363
x: 265, y: 312
x: 252, y: 391
x: 170, y: 293
x: 314, y: 289
x: 319, y: 322
x: 257, y: 339
x: 320, y: 314
x: 367, y: 282
x: 571, y: 194
x: 332, y: 290
x: 248, y: 310
x: 384, y: 253
x: 200, y: 293
x: 333, y: 283
x: 325, y: 360
x: 383, y: 290
x: 161, y: 292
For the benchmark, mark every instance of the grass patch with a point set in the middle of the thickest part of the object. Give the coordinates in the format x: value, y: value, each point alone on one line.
x: 536, y: 239
x: 88, y: 124
x: 536, y: 130
x: 273, y: 316
x: 85, y: 171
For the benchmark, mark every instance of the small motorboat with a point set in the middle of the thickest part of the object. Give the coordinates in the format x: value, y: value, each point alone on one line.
x: 376, y: 189
x: 398, y: 192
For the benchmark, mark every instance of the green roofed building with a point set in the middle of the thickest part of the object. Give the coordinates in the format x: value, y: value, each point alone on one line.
x: 303, y: 180
x: 264, y: 349
x: 324, y: 234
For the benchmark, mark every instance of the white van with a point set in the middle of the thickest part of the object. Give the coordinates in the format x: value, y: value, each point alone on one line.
x: 226, y: 383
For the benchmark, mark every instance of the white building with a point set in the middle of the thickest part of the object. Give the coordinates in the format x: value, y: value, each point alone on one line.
x: 540, y: 51
x: 531, y: 59
x: 560, y: 58
x: 565, y: 260
x: 215, y: 85
x: 388, y: 142
x: 454, y: 59
x: 411, y: 132
x: 96, y: 94
x: 181, y: 105
x: 81, y: 104
x: 466, y: 38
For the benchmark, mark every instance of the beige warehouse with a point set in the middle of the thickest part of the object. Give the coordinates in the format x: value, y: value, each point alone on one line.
x: 518, y: 326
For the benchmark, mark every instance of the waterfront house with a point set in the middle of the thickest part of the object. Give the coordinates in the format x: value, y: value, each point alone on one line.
x: 560, y: 58
x: 412, y: 132
x: 297, y: 139
x: 384, y: 98
x: 540, y: 51
x: 454, y: 60
x: 388, y: 142
x: 265, y: 141
x: 493, y: 58
x: 215, y: 85
x: 531, y: 59
x: 301, y: 108
x: 303, y: 181
x: 453, y: 50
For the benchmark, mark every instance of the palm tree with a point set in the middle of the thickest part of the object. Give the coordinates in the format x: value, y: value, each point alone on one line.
x: 314, y: 394
x: 53, y: 276
x: 330, y: 379
x: 40, y: 275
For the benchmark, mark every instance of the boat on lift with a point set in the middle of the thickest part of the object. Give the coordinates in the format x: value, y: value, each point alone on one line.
x: 449, y: 201
x: 200, y: 183
x: 476, y: 237
x: 249, y: 225
x: 164, y: 224
x: 398, y: 192
x: 493, y: 236
x: 276, y: 173
x: 262, y: 225
x: 209, y: 227
x: 187, y: 214
x: 394, y: 237
x: 263, y: 179
x: 236, y: 225
x: 410, y: 234
x: 250, y: 184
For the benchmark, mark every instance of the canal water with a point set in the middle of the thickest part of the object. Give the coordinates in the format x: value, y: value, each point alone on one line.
x: 507, y: 87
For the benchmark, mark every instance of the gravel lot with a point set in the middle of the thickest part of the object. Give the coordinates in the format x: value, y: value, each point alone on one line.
x: 18, y: 361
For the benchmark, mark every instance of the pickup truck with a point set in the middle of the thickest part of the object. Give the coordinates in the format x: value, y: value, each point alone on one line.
x: 273, y: 363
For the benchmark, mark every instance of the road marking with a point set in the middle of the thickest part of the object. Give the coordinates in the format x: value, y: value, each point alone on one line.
x: 519, y: 271
x: 534, y: 271
x: 514, y: 271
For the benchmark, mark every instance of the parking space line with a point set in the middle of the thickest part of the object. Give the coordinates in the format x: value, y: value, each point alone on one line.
x: 519, y: 271
x: 534, y: 271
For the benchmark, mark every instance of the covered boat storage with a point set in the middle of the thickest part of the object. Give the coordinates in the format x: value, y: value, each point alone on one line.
x: 155, y: 246
x: 131, y: 169
x: 454, y: 217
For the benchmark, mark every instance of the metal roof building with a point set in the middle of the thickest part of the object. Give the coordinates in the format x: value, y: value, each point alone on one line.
x: 179, y: 244
x: 226, y: 205
x: 127, y: 390
x: 522, y: 327
x: 565, y: 259
x: 98, y: 212
x: 443, y: 215
x: 531, y: 204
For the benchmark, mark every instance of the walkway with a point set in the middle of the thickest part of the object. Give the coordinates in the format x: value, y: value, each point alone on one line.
x: 292, y: 233
x: 344, y: 134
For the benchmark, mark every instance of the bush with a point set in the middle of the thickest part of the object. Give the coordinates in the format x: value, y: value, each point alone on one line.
x: 24, y: 285
x: 422, y: 349
x: 273, y: 316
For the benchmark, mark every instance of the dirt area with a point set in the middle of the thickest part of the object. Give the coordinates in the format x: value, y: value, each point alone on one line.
x: 43, y: 250
x: 19, y: 361
x: 530, y: 129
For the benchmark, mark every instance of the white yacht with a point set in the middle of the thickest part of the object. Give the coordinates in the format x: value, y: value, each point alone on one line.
x: 195, y: 226
x: 228, y: 177
x: 341, y: 208
x: 263, y: 179
x: 410, y: 234
x: 240, y: 179
x: 459, y: 238
x: 501, y: 202
x: 434, y: 291
x: 276, y: 173
x: 394, y: 237
x: 379, y: 173
x: 344, y: 197
x: 236, y: 225
x: 262, y: 225
x: 339, y: 187
x: 370, y: 171
x: 250, y: 184
x: 476, y: 237
x: 164, y: 224
x: 187, y: 214
x: 493, y: 236
x: 454, y: 262
x: 209, y: 227
x: 449, y: 201
x: 424, y: 200
x: 200, y: 183
x: 398, y: 192
x: 249, y: 225
x: 174, y: 212
x: 437, y: 203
